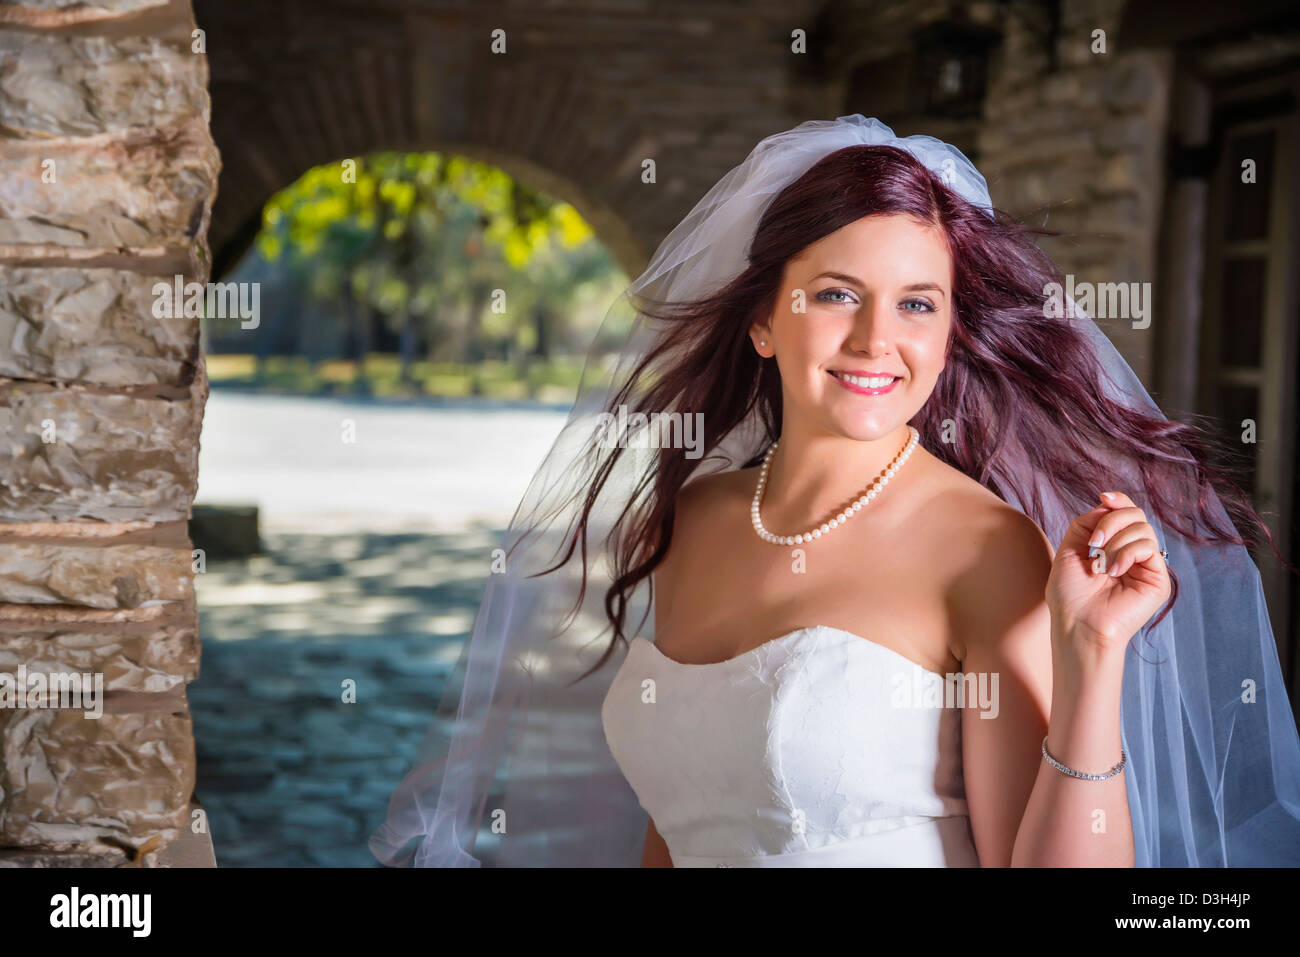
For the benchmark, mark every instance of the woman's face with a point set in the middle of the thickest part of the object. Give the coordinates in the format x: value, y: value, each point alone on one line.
x: 860, y: 327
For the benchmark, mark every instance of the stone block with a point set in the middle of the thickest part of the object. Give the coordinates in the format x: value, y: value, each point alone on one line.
x: 226, y: 531
x: 1121, y: 173
x: 156, y: 655
x: 1116, y: 214
x: 93, y: 326
x: 1131, y: 83
x: 100, y: 786
x: 143, y: 189
x: 1129, y: 132
x: 58, y: 13
x: 73, y: 453
x: 112, y: 857
x: 135, y: 570
x: 54, y: 86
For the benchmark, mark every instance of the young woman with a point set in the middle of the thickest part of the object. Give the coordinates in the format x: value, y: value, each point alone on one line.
x: 893, y: 620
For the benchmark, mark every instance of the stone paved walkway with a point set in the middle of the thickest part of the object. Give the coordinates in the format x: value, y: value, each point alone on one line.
x: 290, y: 775
x: 377, y: 552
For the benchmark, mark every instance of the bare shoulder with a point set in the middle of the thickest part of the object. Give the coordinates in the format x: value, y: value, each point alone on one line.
x: 711, y: 499
x: 707, y: 503
x: 965, y: 503
x: 998, y: 559
x: 704, y: 511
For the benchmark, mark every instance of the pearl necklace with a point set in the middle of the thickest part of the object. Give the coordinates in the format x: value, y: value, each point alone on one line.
x: 839, y: 519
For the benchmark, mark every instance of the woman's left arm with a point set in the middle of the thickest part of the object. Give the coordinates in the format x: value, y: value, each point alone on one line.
x: 1053, y: 631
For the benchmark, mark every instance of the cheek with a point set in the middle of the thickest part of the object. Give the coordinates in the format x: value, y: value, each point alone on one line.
x: 927, y: 352
x: 811, y: 341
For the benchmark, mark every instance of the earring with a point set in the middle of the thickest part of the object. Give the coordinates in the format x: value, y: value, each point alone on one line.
x: 762, y: 342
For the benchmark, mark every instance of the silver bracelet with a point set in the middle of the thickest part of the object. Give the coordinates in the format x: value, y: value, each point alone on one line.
x: 1123, y: 759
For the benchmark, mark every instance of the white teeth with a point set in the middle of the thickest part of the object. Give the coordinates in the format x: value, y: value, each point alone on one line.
x: 863, y: 382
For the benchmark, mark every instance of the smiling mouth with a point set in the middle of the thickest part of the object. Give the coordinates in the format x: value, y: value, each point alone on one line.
x: 866, y: 385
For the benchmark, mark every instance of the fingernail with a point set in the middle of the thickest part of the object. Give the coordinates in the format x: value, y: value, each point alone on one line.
x: 1097, y: 538
x: 1108, y: 495
x: 1114, y: 571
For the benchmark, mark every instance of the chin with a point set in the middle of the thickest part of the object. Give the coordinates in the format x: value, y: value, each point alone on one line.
x: 868, y: 431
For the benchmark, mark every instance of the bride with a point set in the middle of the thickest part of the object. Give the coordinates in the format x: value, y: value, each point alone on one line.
x: 895, y: 619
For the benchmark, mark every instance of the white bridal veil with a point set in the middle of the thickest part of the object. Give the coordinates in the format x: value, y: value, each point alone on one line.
x: 515, y: 770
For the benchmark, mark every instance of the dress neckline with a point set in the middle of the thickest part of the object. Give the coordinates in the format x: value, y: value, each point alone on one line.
x: 798, y: 632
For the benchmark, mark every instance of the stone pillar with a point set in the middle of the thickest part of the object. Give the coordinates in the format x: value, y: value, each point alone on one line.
x: 107, y: 177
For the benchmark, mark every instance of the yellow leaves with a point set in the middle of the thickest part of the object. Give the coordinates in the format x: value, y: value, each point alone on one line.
x: 522, y: 242
x: 573, y: 229
x: 399, y: 194
x: 516, y: 250
x: 426, y: 173
x: 270, y: 246
x: 420, y: 196
x: 365, y: 191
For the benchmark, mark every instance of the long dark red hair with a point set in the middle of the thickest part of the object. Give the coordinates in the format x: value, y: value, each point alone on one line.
x: 1011, y: 372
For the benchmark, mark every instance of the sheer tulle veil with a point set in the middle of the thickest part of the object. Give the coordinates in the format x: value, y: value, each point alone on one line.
x: 515, y: 770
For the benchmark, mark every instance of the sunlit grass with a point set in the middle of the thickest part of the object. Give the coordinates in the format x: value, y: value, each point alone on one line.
x: 554, y: 380
x: 231, y: 366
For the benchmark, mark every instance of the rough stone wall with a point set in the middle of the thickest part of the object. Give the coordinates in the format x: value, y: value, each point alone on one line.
x: 107, y: 176
x: 1080, y: 143
x: 1068, y: 139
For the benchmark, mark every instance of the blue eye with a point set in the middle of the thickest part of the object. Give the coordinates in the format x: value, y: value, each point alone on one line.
x: 925, y: 306
x: 833, y: 292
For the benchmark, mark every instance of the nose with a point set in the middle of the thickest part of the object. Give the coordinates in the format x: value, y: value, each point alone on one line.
x: 872, y: 331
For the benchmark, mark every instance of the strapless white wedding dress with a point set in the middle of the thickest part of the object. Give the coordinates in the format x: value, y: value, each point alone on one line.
x: 793, y: 754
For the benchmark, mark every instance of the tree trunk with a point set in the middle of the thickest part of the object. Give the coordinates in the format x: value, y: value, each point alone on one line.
x: 475, y: 350
x: 541, y: 322
x: 365, y: 320
x: 407, y: 344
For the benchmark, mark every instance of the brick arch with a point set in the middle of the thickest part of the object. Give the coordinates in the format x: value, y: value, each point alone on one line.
x: 240, y: 224
x: 579, y: 99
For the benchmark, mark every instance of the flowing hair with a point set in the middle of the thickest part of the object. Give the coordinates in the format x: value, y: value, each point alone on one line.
x: 1013, y: 371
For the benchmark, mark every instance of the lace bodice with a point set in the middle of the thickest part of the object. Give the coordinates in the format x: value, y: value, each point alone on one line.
x: 796, y: 753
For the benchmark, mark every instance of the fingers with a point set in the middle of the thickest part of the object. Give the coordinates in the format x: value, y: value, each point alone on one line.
x: 1142, y: 552
x: 1116, y: 499
x: 1122, y: 537
x: 1085, y: 525
x: 1133, y: 543
x: 1118, y: 511
x: 1080, y: 530
x: 1113, y: 521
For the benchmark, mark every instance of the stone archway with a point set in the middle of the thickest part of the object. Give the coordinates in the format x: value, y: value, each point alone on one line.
x: 580, y: 96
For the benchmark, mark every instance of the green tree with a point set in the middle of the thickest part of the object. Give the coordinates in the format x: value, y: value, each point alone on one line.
x: 422, y: 242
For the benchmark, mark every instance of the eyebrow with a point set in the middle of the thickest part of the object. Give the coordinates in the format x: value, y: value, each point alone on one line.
x: 914, y: 287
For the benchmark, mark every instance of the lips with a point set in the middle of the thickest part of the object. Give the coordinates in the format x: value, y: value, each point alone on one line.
x: 867, y: 383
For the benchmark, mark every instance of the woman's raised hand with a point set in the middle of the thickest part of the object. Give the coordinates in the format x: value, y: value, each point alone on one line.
x: 1104, y: 601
